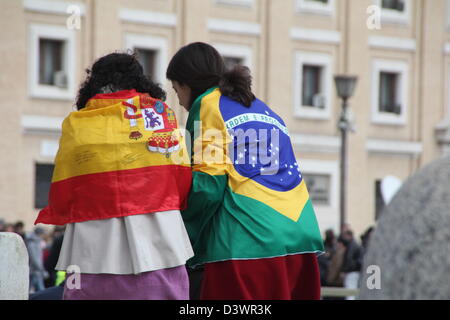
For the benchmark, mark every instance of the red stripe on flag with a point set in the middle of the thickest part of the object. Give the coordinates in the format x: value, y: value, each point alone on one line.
x: 117, y: 194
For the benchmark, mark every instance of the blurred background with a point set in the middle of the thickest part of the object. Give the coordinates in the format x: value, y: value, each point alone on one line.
x: 399, y: 112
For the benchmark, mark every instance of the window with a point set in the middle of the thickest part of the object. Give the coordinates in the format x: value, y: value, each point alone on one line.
x: 398, y: 5
x: 230, y: 62
x: 379, y: 201
x: 395, y: 11
x: 389, y: 93
x: 322, y: 180
x: 234, y: 54
x: 390, y: 87
x: 51, y: 72
x: 443, y: 127
x: 152, y: 54
x: 51, y: 54
x: 43, y: 179
x: 311, y: 91
x: 319, y: 188
x: 323, y: 7
x: 147, y: 59
x: 313, y: 85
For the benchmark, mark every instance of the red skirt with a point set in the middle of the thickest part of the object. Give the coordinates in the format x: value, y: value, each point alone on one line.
x: 294, y: 277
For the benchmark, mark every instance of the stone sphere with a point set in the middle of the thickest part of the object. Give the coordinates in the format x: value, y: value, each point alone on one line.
x: 411, y: 243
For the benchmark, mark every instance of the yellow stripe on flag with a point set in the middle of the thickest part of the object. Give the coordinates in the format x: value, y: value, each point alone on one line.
x: 97, y: 140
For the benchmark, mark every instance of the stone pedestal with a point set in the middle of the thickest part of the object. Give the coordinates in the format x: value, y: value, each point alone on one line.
x: 14, y: 269
x: 410, y: 245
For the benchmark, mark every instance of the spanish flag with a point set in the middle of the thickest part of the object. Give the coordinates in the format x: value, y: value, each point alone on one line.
x: 119, y: 156
x: 248, y: 198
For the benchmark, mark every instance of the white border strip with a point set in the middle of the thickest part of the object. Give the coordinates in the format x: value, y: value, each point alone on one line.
x: 148, y: 17
x: 316, y: 143
x: 41, y: 124
x: 402, y: 44
x: 316, y: 7
x: 316, y: 35
x: 54, y: 7
x: 240, y: 3
x: 394, y: 147
x: 234, y: 27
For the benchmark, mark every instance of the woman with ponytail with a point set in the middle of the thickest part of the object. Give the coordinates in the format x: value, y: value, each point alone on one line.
x: 249, y: 217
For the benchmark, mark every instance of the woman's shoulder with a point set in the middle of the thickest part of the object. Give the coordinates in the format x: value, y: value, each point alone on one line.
x: 210, y: 97
x: 209, y: 104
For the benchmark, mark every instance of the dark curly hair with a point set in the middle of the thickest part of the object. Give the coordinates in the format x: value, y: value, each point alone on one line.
x: 114, y: 72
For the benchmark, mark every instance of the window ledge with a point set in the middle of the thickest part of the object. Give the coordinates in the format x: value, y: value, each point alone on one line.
x: 394, y: 147
x: 51, y: 93
x: 388, y: 120
x: 391, y: 16
x: 314, y: 7
x: 32, y: 124
x: 315, y: 143
x: 307, y: 113
x: 236, y: 3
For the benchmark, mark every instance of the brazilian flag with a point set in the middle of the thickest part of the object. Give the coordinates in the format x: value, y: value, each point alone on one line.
x: 248, y: 199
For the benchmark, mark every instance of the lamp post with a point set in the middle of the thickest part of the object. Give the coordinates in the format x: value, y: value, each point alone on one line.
x: 345, y: 86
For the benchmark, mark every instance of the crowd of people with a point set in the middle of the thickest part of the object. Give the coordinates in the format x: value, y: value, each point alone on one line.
x: 43, y: 251
x: 340, y: 266
x: 342, y: 262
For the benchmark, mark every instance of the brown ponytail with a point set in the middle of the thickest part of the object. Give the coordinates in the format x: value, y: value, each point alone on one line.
x: 237, y: 85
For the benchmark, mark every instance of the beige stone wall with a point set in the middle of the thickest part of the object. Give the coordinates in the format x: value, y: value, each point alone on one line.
x: 12, y: 101
x: 273, y: 60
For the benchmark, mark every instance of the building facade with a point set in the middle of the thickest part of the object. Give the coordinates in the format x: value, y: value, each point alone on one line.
x: 399, y: 49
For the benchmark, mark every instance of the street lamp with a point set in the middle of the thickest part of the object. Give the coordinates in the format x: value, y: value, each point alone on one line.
x: 345, y: 86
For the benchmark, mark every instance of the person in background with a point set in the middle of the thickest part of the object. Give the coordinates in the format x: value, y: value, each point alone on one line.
x: 352, y: 263
x: 52, y: 293
x: 34, y: 244
x: 2, y: 225
x: 365, y: 239
x: 335, y: 277
x: 56, y: 281
x: 324, y: 260
x: 9, y: 227
x: 330, y: 242
x: 54, y: 251
x: 19, y: 228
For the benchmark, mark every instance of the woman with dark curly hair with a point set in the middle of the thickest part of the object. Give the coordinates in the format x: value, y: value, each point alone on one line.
x: 119, y: 191
x: 116, y: 72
